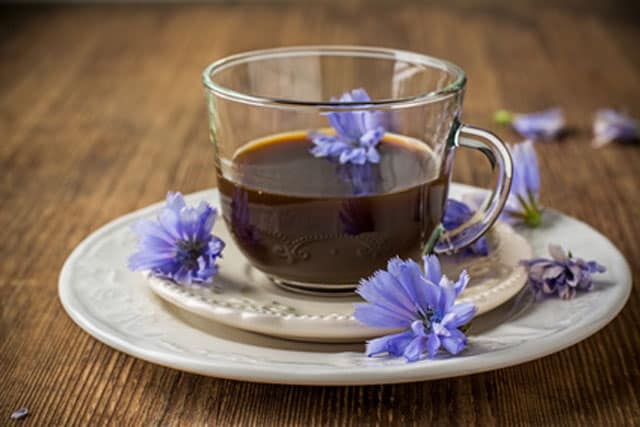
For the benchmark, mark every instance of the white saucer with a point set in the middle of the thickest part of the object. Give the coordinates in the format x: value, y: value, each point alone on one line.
x: 243, y: 297
x: 118, y: 308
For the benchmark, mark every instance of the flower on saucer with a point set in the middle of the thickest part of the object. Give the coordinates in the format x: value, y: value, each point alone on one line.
x: 610, y: 125
x: 421, y: 303
x: 546, y: 124
x: 562, y: 275
x: 357, y: 133
x: 179, y: 246
x: 523, y: 204
x: 457, y: 213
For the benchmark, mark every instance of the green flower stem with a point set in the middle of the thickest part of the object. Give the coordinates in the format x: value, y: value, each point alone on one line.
x: 503, y: 117
x: 532, y: 213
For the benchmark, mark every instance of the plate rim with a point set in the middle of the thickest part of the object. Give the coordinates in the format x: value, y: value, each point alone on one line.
x: 355, y: 375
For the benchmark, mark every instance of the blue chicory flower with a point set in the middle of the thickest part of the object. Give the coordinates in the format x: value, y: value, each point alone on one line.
x: 561, y: 275
x: 610, y: 125
x: 423, y: 304
x: 457, y: 213
x: 546, y: 124
x: 357, y: 133
x: 523, y: 204
x: 179, y: 246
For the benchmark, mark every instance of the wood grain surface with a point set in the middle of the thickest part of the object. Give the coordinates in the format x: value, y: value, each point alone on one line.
x: 102, y: 112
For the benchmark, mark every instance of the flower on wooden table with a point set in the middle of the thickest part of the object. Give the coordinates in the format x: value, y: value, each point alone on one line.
x: 610, y: 125
x: 179, y: 246
x: 420, y: 303
x: 357, y: 133
x: 547, y: 124
x: 561, y: 275
x: 20, y: 413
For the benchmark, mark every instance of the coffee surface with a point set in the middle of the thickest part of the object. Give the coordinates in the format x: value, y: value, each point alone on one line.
x: 311, y: 220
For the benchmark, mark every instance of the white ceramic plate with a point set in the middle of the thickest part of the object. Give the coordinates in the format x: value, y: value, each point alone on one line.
x: 245, y: 298
x: 118, y: 308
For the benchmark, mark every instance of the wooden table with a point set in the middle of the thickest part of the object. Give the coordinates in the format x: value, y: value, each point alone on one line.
x: 102, y: 112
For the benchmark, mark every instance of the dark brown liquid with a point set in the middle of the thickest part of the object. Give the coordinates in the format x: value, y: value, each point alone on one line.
x: 311, y: 220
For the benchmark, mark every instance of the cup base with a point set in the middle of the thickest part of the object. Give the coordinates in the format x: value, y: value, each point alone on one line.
x: 339, y: 290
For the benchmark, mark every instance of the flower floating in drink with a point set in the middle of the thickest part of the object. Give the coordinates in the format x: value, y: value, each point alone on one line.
x: 357, y: 133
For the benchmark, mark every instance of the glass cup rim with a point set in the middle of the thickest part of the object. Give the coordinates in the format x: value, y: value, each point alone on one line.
x: 338, y: 50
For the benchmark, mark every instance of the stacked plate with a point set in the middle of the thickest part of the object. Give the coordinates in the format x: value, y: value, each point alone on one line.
x: 246, y: 328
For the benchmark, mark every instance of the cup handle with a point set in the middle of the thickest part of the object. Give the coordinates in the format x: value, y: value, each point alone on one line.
x: 447, y: 242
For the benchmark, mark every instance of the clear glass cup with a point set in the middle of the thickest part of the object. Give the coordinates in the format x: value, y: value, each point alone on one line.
x: 314, y: 224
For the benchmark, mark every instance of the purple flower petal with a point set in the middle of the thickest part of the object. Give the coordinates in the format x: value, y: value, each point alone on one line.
x: 384, y: 289
x: 379, y: 316
x: 457, y: 214
x: 415, y: 348
x: 523, y: 204
x: 557, y: 253
x: 393, y: 344
x: 357, y: 133
x: 371, y: 137
x: 463, y: 313
x: 461, y: 284
x: 180, y: 246
x: 418, y: 328
x: 433, y: 344
x: 546, y: 124
x: 421, y: 303
x: 561, y: 275
x: 610, y: 125
x: 409, y: 276
x: 372, y: 155
x: 358, y: 95
x: 432, y: 269
x: 454, y: 342
x: 20, y: 413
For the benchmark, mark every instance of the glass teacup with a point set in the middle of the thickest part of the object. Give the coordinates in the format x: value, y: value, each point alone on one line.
x: 331, y: 160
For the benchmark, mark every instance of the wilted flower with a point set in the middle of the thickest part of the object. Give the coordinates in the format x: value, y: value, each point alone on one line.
x: 546, y: 124
x: 357, y: 133
x: 561, y: 275
x: 423, y: 304
x: 179, y: 246
x: 610, y: 125
x: 457, y: 213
